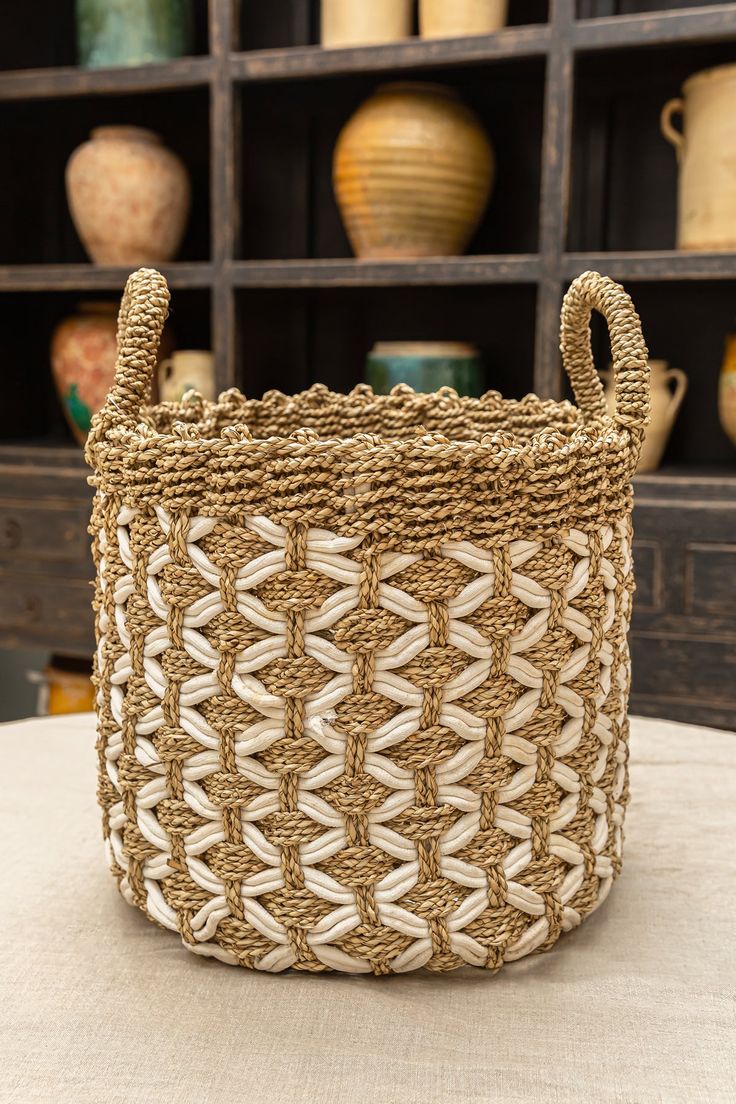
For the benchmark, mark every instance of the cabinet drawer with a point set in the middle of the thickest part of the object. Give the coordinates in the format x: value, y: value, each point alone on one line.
x: 53, y: 613
x: 36, y: 536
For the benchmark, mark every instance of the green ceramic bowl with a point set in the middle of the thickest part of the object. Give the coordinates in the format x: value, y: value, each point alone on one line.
x: 426, y: 366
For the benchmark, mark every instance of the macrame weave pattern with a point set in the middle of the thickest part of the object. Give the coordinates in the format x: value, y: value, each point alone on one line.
x: 329, y: 749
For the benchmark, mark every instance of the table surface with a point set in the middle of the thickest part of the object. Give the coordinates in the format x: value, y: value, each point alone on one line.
x: 637, y: 1005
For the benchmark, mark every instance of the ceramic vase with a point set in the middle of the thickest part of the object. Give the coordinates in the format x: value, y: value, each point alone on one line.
x: 83, y: 353
x: 451, y: 18
x: 132, y: 32
x: 727, y: 389
x: 425, y: 366
x: 186, y: 370
x: 412, y: 173
x: 706, y: 152
x: 129, y: 197
x: 666, y: 400
x: 365, y: 22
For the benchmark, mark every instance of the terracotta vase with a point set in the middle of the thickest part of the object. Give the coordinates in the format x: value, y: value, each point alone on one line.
x: 412, y: 173
x: 83, y: 354
x: 665, y: 403
x: 727, y: 389
x: 129, y: 196
x: 452, y: 18
x: 706, y: 152
x: 186, y: 370
x: 365, y: 22
x: 425, y: 366
x: 132, y: 32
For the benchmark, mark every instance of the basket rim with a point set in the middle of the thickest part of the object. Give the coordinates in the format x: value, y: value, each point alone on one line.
x: 495, y: 446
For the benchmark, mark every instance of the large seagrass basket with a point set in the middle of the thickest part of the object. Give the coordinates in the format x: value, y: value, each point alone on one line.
x: 362, y: 671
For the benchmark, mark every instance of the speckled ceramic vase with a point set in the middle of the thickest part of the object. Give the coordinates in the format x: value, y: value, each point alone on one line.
x: 129, y: 196
x: 132, y: 32
x: 412, y: 173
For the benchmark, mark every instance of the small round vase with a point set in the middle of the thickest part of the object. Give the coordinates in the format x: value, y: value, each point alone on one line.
x: 365, y: 22
x: 727, y: 389
x: 412, y: 173
x: 83, y: 354
x: 443, y: 19
x: 186, y: 370
x: 665, y: 403
x: 128, y: 195
x: 132, y: 32
x: 425, y: 366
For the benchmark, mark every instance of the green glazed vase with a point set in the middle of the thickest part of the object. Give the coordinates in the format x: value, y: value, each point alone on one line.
x: 425, y: 366
x: 132, y: 32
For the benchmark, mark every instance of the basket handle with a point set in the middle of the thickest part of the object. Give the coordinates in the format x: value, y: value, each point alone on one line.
x: 143, y: 312
x: 589, y: 292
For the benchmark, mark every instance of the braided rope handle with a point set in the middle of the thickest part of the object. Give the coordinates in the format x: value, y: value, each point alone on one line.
x: 143, y: 312
x: 589, y: 292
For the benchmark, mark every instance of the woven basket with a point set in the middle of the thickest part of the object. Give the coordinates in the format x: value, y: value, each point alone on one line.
x: 362, y: 671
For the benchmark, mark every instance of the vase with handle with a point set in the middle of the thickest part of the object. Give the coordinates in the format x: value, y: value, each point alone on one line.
x: 706, y: 153
x: 665, y: 402
x: 365, y: 22
x: 453, y: 18
x: 186, y: 370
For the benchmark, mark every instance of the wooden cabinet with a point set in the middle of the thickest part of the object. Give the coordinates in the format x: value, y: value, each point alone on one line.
x: 570, y: 94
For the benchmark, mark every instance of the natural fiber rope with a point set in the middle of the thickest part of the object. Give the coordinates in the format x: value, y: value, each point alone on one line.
x: 362, y: 670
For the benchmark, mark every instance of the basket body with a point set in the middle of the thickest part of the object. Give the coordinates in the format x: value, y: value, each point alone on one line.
x: 361, y: 725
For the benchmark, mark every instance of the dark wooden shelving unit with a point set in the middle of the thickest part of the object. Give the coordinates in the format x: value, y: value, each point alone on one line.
x: 570, y: 95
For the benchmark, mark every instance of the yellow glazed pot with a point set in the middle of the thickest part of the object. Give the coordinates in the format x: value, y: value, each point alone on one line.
x: 727, y: 389
x: 666, y: 400
x: 128, y: 196
x: 706, y: 152
x: 449, y: 18
x: 412, y: 173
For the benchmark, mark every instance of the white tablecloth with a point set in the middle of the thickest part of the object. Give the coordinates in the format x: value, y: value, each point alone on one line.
x: 637, y: 1005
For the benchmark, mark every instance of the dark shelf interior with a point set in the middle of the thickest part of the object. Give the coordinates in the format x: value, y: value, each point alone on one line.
x: 43, y: 134
x: 297, y: 22
x: 288, y: 207
x: 624, y: 172
x: 30, y: 407
x: 42, y: 34
x: 293, y: 339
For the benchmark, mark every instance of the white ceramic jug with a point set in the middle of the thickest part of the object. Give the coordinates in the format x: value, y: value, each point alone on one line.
x: 665, y: 403
x: 706, y: 152
x: 186, y: 370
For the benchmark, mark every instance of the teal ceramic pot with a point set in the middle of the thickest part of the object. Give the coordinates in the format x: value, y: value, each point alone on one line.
x: 132, y: 32
x: 426, y: 366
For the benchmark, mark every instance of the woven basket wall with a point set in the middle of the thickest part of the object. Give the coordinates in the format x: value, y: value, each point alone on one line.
x: 362, y: 671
